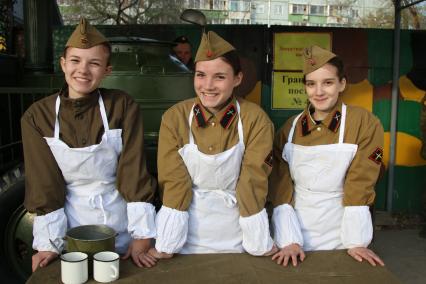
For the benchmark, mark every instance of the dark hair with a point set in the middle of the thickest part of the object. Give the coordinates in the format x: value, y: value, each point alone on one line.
x: 106, y: 44
x: 232, y: 58
x: 182, y: 39
x: 338, y: 63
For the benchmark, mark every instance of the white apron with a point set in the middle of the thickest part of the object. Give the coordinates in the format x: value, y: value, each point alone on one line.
x: 213, y: 214
x: 318, y: 173
x: 90, y: 177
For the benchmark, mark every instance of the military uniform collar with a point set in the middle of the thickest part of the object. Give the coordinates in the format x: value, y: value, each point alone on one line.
x: 81, y: 103
x: 226, y: 115
x: 332, y: 121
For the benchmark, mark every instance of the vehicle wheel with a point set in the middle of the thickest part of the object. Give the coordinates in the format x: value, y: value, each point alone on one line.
x: 15, y: 228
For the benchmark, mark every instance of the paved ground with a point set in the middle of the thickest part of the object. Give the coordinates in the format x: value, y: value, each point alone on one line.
x: 404, y: 253
x: 402, y: 250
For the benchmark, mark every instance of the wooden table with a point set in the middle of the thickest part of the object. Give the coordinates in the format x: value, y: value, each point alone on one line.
x: 318, y: 267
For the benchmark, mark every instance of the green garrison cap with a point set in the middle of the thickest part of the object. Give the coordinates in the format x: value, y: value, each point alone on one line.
x: 211, y: 47
x: 315, y: 57
x: 85, y: 36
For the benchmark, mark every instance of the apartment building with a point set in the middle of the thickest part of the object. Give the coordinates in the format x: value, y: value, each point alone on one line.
x: 223, y: 11
x: 269, y: 12
x: 312, y: 12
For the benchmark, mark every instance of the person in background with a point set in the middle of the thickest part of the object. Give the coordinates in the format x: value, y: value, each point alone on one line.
x: 214, y: 159
x: 327, y: 161
x: 183, y: 51
x: 84, y: 161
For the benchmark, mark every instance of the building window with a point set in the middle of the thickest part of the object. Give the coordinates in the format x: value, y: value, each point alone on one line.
x: 336, y: 10
x: 299, y: 9
x: 260, y: 9
x: 278, y: 9
x: 194, y: 4
x: 317, y: 10
x: 216, y: 5
x: 246, y: 6
x: 233, y: 5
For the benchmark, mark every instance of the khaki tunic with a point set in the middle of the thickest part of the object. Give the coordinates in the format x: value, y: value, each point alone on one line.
x: 173, y: 177
x: 362, y: 128
x: 81, y: 126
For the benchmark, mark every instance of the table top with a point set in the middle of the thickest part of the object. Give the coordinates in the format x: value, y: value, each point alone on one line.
x: 318, y: 267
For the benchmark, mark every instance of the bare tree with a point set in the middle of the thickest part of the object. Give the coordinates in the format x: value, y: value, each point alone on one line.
x: 414, y: 17
x: 344, y: 11
x: 119, y: 12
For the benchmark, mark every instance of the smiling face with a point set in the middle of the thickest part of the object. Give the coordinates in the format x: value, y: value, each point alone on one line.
x: 84, y: 69
x: 214, y: 83
x: 323, y: 88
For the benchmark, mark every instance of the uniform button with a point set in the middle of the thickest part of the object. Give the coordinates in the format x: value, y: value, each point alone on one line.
x: 319, y: 128
x: 213, y: 124
x: 210, y: 148
x: 83, y: 141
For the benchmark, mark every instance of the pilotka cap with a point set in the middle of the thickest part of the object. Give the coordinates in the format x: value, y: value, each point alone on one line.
x: 85, y: 36
x: 212, y: 46
x: 315, y: 57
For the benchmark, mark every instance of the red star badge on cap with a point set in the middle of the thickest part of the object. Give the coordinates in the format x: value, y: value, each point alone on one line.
x: 312, y: 62
x: 209, y: 53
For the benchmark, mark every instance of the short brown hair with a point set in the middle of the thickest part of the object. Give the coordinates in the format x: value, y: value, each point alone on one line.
x: 107, y: 46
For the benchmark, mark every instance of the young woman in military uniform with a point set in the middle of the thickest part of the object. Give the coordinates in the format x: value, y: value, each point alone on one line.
x: 326, y: 163
x: 84, y: 161
x: 213, y: 164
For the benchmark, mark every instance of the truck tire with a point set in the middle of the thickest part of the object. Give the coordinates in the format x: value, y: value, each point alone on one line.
x: 15, y: 228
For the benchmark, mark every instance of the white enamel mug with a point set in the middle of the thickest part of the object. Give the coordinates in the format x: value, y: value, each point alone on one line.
x: 74, y: 268
x: 106, y: 266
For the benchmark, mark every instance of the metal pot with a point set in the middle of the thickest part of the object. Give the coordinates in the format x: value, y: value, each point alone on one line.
x: 91, y: 239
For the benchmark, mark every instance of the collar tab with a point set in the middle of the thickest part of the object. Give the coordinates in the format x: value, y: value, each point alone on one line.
x: 228, y: 116
x: 199, y: 116
x: 305, y: 125
x: 335, y: 121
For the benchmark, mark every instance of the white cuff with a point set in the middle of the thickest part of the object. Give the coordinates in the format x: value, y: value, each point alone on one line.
x: 256, y: 237
x: 172, y: 229
x: 141, y: 220
x: 357, y: 228
x: 286, y: 226
x: 52, y: 226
